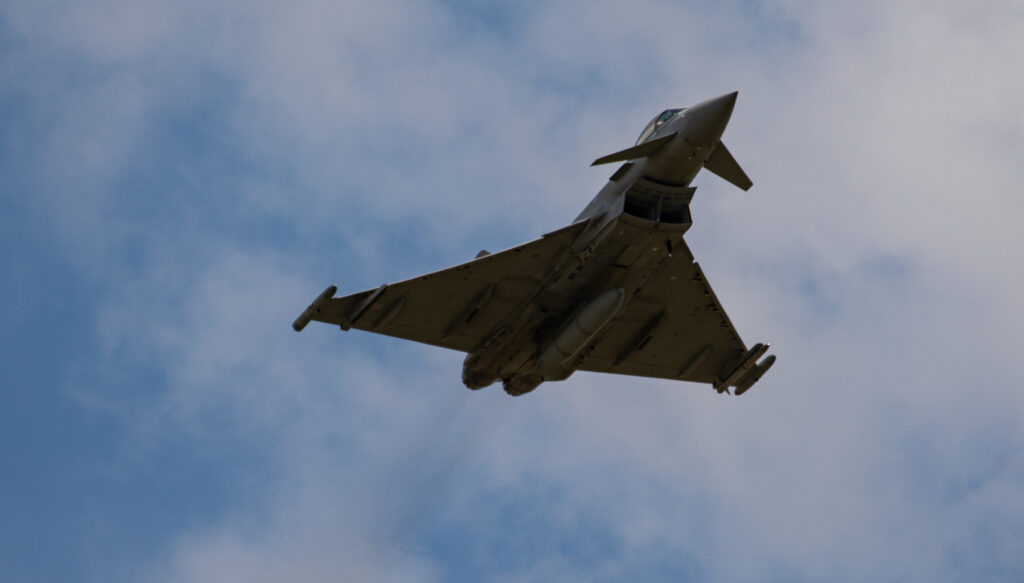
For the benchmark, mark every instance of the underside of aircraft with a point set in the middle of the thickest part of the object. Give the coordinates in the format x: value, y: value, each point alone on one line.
x: 616, y: 291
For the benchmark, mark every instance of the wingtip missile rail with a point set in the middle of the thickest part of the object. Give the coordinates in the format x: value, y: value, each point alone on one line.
x: 754, y: 375
x: 746, y: 363
x: 313, y: 308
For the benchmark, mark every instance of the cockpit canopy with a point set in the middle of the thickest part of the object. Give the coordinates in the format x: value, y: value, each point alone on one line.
x: 657, y: 123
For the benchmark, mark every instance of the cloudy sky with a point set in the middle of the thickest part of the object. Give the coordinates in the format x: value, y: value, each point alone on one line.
x: 178, y: 180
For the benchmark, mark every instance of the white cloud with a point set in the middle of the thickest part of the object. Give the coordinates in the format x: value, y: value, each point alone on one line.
x: 876, y: 251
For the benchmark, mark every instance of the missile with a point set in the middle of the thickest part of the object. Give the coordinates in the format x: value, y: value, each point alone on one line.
x: 575, y: 335
x: 362, y: 307
x: 754, y: 375
x: 748, y: 361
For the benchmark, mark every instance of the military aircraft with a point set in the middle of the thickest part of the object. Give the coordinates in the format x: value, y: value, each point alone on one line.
x: 616, y: 291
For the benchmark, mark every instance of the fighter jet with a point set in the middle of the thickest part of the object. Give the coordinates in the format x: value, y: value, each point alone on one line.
x: 616, y: 291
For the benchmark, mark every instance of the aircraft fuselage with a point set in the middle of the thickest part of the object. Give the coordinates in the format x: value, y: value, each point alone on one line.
x: 615, y: 291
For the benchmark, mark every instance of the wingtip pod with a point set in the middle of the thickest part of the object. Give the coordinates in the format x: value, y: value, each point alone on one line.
x: 313, y: 308
x: 754, y: 375
x: 732, y: 375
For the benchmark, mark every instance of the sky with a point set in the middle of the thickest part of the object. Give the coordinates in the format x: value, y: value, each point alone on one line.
x: 179, y: 179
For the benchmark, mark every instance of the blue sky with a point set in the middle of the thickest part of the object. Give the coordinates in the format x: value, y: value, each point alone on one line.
x: 180, y: 179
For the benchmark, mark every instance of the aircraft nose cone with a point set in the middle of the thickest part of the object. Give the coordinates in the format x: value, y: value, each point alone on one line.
x: 706, y: 121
